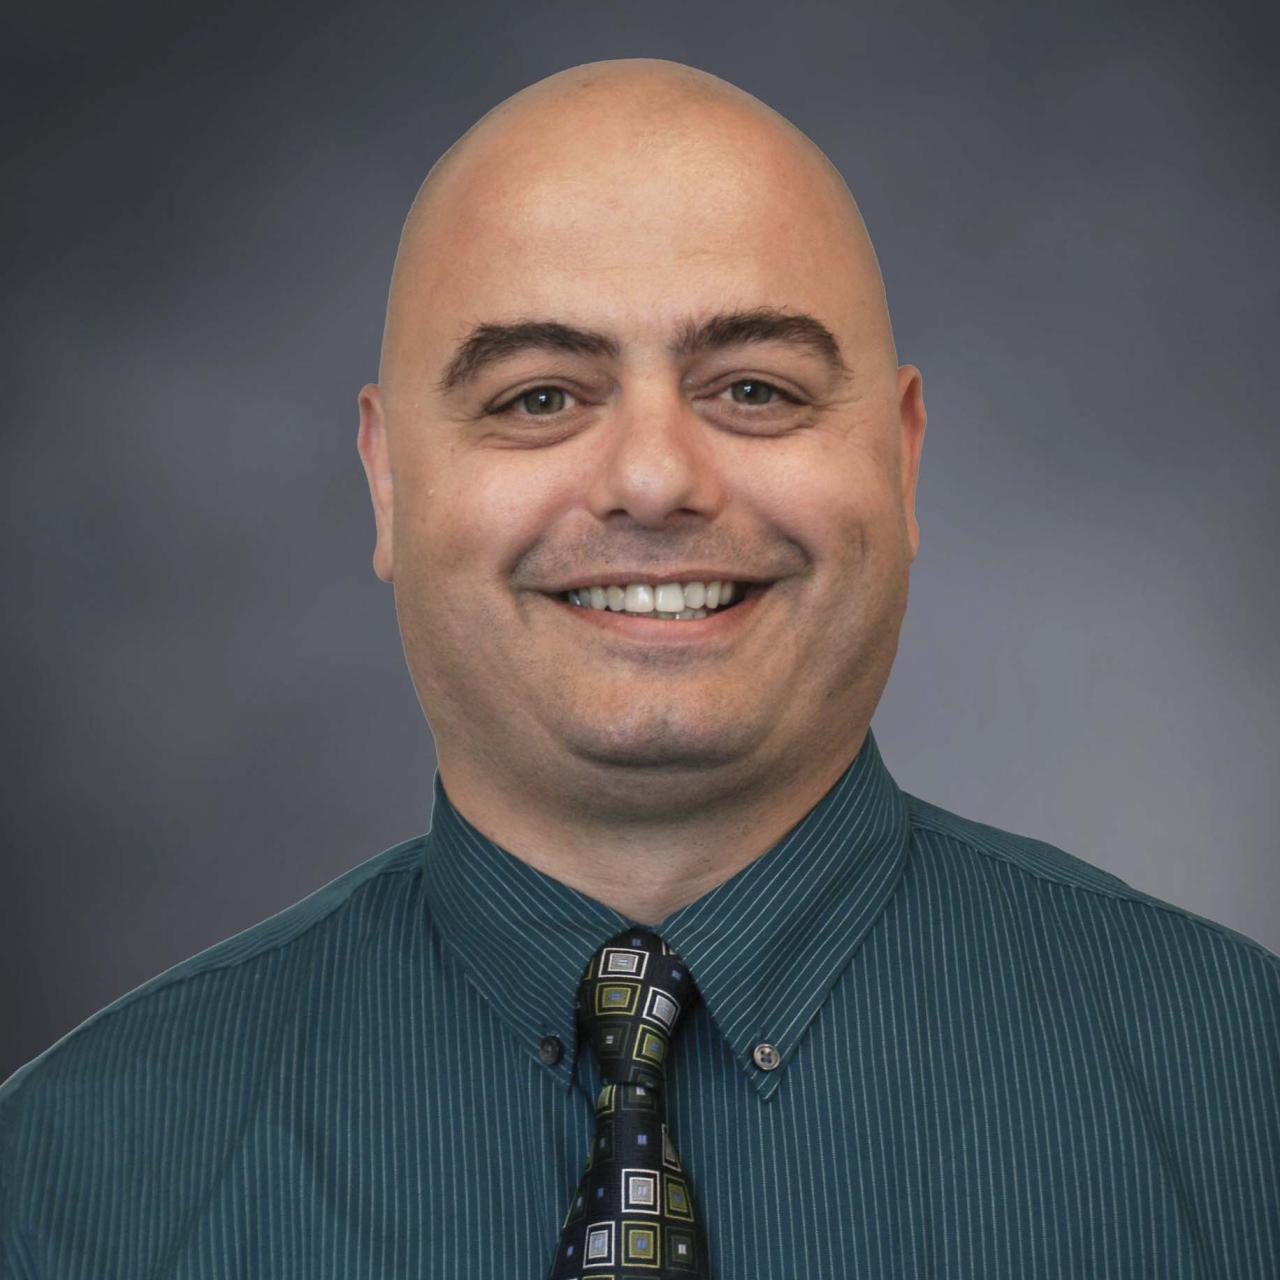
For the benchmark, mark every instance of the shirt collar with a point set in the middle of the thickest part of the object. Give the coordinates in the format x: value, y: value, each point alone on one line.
x: 765, y: 947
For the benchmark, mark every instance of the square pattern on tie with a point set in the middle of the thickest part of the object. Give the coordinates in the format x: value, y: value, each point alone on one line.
x: 599, y: 1245
x: 623, y: 960
x: 640, y: 1244
x: 640, y: 1191
x: 633, y: 1217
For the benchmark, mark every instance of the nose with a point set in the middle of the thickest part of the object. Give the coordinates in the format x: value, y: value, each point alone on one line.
x: 656, y: 457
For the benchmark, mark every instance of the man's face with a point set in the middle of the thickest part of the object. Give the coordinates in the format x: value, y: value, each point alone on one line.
x: 554, y: 469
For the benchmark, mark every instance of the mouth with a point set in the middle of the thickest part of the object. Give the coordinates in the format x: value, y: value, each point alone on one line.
x: 664, y: 627
x: 666, y: 604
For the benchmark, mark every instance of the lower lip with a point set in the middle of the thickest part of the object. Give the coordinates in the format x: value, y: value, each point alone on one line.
x: 669, y: 631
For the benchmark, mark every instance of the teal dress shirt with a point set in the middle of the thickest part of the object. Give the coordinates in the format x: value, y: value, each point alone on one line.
x: 925, y: 1047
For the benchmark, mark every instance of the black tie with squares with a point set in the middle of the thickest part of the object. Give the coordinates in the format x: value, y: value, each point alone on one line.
x: 633, y: 1217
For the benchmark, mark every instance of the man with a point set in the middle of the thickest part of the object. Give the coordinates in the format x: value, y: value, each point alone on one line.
x: 679, y: 983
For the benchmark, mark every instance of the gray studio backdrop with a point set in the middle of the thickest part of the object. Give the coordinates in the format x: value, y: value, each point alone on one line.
x: 207, y: 711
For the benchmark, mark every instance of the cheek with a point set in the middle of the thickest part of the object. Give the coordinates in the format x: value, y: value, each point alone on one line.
x: 846, y: 517
x: 822, y: 499
x: 478, y: 516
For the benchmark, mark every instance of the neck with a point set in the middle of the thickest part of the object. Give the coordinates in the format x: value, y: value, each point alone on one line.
x: 639, y: 844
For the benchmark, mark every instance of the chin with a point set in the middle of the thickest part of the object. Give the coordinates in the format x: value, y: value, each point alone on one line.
x: 655, y: 740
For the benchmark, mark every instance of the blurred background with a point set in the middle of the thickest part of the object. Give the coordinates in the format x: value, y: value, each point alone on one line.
x: 207, y: 713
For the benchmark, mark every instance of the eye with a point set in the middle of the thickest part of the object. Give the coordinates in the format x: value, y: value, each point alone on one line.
x: 535, y: 396
x: 756, y: 385
x: 548, y: 400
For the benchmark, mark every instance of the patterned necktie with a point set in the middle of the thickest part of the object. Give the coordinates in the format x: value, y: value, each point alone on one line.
x: 633, y: 1217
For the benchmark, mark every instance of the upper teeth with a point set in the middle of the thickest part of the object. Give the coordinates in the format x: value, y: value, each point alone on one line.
x: 667, y: 597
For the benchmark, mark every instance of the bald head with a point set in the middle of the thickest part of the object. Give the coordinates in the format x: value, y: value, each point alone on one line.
x: 575, y: 144
x: 645, y: 100
x: 637, y: 328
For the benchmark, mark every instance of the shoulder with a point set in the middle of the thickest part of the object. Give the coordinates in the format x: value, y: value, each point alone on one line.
x: 146, y: 1092
x: 1069, y: 903
x: 177, y: 1063
x: 149, y: 1034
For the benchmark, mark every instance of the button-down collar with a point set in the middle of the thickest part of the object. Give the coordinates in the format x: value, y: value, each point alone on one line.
x: 765, y: 947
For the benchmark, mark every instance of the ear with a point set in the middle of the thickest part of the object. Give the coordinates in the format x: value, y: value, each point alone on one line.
x: 371, y: 443
x: 912, y: 417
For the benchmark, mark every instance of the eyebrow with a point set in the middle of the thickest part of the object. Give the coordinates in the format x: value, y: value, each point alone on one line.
x: 490, y: 342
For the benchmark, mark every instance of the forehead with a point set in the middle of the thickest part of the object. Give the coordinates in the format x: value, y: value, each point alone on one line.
x: 630, y: 236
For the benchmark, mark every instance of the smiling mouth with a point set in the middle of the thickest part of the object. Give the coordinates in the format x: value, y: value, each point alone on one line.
x: 640, y: 601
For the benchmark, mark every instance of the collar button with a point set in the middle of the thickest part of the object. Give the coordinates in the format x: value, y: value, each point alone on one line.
x: 766, y: 1056
x: 550, y: 1050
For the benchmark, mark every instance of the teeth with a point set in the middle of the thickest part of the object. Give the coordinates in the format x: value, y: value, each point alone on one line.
x: 667, y: 600
x: 640, y: 599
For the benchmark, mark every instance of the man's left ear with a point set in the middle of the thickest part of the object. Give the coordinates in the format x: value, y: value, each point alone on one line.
x: 913, y: 418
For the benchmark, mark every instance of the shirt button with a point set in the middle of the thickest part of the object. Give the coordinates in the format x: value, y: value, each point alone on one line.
x: 550, y: 1050
x: 766, y: 1056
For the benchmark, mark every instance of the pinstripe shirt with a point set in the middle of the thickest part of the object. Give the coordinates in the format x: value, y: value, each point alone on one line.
x: 925, y: 1047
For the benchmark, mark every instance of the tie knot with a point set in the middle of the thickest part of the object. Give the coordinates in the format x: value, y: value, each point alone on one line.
x: 630, y: 999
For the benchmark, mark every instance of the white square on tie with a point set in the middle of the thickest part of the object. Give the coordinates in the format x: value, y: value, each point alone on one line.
x: 599, y: 1243
x: 639, y: 1191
